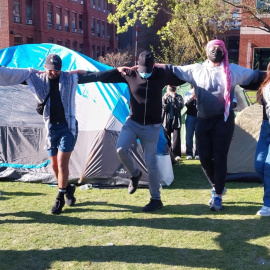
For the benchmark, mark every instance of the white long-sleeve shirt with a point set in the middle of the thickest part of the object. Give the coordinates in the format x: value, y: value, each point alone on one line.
x: 209, y: 84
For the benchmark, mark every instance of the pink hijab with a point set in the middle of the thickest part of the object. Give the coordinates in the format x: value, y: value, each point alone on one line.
x: 227, y: 74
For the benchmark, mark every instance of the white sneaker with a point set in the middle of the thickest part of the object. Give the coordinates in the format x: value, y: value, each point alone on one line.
x: 178, y: 158
x: 264, y: 211
x: 197, y: 157
x: 189, y: 157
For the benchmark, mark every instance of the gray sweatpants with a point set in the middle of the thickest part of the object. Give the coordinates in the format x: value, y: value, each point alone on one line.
x: 148, y: 136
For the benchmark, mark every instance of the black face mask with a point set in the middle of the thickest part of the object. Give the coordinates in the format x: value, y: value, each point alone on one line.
x: 216, y: 56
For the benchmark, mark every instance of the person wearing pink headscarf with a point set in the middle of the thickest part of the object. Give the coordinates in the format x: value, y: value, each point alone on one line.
x: 214, y: 82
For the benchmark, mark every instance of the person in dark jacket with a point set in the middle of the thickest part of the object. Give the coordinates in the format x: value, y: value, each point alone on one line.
x: 172, y: 104
x: 191, y: 104
x: 144, y: 121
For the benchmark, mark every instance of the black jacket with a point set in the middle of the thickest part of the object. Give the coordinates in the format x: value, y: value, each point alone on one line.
x: 171, y: 111
x: 145, y: 94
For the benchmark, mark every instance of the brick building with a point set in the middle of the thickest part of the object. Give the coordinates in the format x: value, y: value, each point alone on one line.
x: 80, y: 25
x: 254, y: 49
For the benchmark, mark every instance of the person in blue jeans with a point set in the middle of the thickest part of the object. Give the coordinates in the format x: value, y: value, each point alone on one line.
x: 191, y: 104
x: 262, y: 155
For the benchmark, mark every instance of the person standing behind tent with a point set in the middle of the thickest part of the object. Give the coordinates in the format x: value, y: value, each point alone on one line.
x: 172, y: 104
x: 214, y: 82
x: 59, y: 116
x: 262, y: 154
x: 144, y: 122
x: 191, y: 104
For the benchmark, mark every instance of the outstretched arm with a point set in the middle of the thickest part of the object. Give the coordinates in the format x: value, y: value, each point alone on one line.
x: 107, y: 76
x: 13, y: 76
x: 255, y: 85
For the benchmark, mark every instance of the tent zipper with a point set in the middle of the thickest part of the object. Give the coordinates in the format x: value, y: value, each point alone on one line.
x: 145, y: 101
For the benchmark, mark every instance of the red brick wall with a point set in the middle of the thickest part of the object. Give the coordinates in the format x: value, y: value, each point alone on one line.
x: 39, y: 31
x: 4, y: 23
x: 260, y: 40
x: 257, y: 39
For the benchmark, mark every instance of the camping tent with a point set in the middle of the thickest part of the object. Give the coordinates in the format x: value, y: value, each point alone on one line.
x: 243, y: 146
x: 246, y: 133
x: 101, y: 110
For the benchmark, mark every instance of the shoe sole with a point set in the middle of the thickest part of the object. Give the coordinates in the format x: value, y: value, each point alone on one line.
x: 152, y: 210
x: 58, y: 212
x: 131, y: 188
x: 263, y: 215
x: 213, y: 209
x: 223, y: 193
x: 72, y: 203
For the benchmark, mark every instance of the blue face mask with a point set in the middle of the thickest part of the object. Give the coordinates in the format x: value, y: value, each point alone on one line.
x: 145, y: 75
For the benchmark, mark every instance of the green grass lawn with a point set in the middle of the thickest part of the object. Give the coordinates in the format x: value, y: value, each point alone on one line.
x: 185, y: 234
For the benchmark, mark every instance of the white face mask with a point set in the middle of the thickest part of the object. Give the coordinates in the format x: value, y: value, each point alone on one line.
x: 145, y: 75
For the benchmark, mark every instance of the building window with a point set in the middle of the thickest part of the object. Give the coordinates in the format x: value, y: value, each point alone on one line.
x: 59, y: 42
x: 17, y: 11
x: 58, y: 18
x: 98, y: 51
x: 80, y: 23
x: 66, y: 19
x: 103, y: 5
x: 103, y: 29
x: 18, y: 40
x: 108, y: 8
x: 263, y: 5
x: 93, y: 4
x: 81, y: 48
x: 103, y: 51
x: 75, y: 46
x: 29, y: 40
x: 261, y: 58
x: 93, y: 52
x: 236, y: 20
x: 74, y: 22
x: 98, y: 28
x: 108, y: 49
x: 50, y: 40
x: 93, y: 26
x: 67, y: 43
x: 108, y: 30
x: 98, y: 4
x: 49, y: 16
x: 29, y: 12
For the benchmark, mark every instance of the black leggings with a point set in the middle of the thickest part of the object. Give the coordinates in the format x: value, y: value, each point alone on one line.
x: 213, y: 137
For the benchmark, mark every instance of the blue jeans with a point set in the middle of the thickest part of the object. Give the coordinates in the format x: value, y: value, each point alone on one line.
x: 190, y: 132
x: 262, y: 160
x: 148, y: 136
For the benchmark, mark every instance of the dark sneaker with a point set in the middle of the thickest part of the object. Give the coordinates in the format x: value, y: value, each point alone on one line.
x: 217, y: 204
x: 57, y: 208
x: 70, y: 199
x: 153, y: 206
x: 133, y: 184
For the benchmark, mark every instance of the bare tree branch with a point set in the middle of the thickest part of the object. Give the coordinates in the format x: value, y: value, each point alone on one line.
x: 251, y: 11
